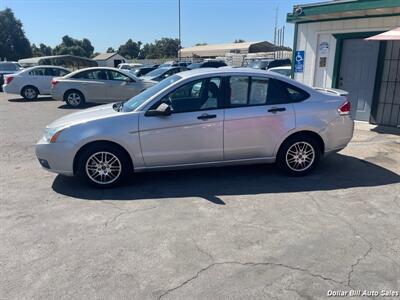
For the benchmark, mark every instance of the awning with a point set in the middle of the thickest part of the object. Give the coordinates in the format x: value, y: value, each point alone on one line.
x: 391, y: 35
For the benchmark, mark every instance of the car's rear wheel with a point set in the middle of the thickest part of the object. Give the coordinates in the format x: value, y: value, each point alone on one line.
x: 74, y: 98
x: 299, y: 155
x: 29, y: 92
x: 104, y: 166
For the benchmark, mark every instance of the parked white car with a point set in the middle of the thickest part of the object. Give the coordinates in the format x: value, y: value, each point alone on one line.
x: 284, y: 70
x: 100, y: 84
x: 129, y: 66
x: 32, y: 82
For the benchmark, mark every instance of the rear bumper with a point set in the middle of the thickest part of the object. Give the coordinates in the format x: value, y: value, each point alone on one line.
x: 338, y: 133
x: 56, y: 94
x: 56, y: 157
x: 10, y: 89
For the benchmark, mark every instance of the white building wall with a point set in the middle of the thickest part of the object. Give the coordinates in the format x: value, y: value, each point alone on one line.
x: 310, y: 35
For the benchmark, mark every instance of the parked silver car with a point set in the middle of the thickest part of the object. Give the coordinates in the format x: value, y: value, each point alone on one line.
x: 103, y: 85
x: 203, y: 117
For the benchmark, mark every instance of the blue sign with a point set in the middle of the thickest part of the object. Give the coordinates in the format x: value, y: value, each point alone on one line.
x: 299, y: 62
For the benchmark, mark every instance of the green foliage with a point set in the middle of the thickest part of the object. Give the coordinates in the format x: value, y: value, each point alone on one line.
x: 42, y: 50
x: 239, y: 41
x: 201, y: 44
x: 164, y: 48
x: 73, y: 46
x: 130, y: 49
x: 110, y: 50
x: 13, y: 43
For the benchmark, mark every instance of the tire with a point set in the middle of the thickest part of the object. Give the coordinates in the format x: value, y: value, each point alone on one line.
x: 74, y: 98
x: 29, y: 92
x: 299, y: 155
x: 94, y: 168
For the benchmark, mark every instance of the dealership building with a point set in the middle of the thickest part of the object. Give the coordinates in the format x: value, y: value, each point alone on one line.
x: 352, y: 45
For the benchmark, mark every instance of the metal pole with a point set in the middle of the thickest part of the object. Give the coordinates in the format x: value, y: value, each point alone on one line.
x: 283, y: 40
x: 179, y: 18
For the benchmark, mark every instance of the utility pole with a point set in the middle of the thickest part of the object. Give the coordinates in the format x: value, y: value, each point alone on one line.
x: 276, y: 28
x: 179, y: 28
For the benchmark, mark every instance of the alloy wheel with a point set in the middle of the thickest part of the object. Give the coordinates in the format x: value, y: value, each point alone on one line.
x: 30, y: 93
x: 300, y: 156
x: 103, y: 167
x: 74, y: 99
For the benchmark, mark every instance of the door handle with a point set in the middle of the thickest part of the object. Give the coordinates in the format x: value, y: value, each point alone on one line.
x: 276, y: 109
x: 206, y: 117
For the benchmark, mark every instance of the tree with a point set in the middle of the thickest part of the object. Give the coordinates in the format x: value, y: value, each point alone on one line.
x: 239, y: 41
x: 164, y: 48
x: 130, y: 49
x: 73, y: 46
x: 201, y: 44
x: 110, y: 50
x: 42, y: 50
x: 13, y: 43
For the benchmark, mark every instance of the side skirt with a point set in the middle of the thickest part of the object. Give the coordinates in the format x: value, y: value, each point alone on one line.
x: 248, y: 161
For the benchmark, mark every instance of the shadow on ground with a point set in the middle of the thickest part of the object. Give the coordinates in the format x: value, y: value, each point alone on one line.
x: 387, y: 130
x: 85, y: 105
x: 39, y: 99
x: 335, y: 172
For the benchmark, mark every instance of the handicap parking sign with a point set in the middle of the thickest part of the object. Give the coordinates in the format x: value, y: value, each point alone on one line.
x: 299, y: 62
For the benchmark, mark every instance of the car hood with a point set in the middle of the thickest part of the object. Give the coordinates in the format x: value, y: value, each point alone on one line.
x: 90, y: 114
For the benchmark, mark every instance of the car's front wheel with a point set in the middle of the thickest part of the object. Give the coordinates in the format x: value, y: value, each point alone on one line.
x: 74, y: 99
x: 104, y: 166
x: 29, y: 92
x: 299, y: 155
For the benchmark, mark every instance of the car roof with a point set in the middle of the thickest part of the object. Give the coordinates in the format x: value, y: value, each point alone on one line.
x: 226, y: 71
x: 281, y: 68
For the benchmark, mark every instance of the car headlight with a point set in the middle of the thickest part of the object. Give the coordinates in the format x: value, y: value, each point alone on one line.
x: 51, y: 134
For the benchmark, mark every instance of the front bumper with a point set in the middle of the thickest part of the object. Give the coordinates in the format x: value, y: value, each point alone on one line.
x: 56, y: 157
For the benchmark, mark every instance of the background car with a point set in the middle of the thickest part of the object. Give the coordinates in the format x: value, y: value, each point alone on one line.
x: 279, y: 63
x: 285, y: 70
x: 162, y: 73
x: 8, y: 67
x: 207, y: 117
x: 32, y: 82
x: 102, y: 85
x: 207, y: 64
x: 129, y: 66
x: 259, y: 64
x: 143, y: 70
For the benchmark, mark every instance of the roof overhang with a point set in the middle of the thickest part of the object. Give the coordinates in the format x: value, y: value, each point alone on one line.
x: 391, y: 35
x: 342, y: 9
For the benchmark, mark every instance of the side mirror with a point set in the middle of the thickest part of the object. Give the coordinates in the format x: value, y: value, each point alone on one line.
x: 163, y: 109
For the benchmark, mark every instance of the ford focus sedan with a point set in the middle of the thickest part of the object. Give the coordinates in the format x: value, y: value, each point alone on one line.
x: 203, y: 117
x: 101, y: 85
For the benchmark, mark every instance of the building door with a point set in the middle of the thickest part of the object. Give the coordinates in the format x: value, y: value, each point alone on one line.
x: 117, y: 62
x: 357, y: 75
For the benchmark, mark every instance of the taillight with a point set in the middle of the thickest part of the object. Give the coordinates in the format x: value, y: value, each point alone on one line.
x: 53, y: 83
x: 9, y: 79
x: 344, y: 109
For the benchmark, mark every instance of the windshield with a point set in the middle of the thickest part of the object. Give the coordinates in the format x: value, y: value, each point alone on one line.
x: 258, y: 64
x: 139, y: 99
x: 157, y: 72
x: 195, y: 66
x: 285, y: 72
x: 8, y: 67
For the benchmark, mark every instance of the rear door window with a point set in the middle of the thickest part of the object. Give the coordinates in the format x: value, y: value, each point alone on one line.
x: 38, y: 72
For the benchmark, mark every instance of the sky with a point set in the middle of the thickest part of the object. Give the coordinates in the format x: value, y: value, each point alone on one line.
x: 110, y: 23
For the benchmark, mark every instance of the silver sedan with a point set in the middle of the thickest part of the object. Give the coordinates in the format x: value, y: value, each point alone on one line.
x: 102, y: 85
x: 203, y: 117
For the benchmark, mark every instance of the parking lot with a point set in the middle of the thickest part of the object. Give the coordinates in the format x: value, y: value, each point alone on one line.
x: 236, y: 232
